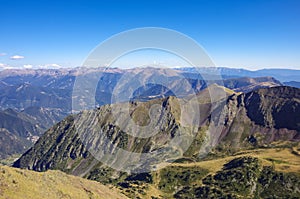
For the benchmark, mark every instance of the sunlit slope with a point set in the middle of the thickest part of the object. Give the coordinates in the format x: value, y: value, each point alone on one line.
x: 17, y: 183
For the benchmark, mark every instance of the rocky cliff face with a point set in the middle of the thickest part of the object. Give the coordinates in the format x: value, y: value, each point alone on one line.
x: 247, y: 120
x: 256, y: 119
x: 104, y: 133
x: 274, y: 108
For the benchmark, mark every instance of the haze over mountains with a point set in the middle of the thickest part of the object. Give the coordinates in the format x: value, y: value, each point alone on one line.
x: 51, y: 90
x: 283, y: 75
x: 235, y: 121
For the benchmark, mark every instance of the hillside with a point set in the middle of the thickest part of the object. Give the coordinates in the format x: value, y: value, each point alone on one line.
x: 248, y: 122
x: 20, y: 129
x: 293, y: 84
x: 246, y: 84
x: 257, y: 173
x: 11, y: 144
x: 17, y: 183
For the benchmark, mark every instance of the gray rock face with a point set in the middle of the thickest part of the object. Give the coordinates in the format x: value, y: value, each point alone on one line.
x: 103, y: 134
x: 109, y: 135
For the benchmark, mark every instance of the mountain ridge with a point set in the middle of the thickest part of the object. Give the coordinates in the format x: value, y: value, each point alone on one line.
x: 238, y: 138
x: 237, y: 123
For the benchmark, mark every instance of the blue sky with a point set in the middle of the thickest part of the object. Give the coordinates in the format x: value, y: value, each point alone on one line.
x: 236, y: 33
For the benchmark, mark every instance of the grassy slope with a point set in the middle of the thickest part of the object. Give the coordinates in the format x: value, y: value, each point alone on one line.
x: 282, y: 159
x: 16, y: 183
x: 283, y: 156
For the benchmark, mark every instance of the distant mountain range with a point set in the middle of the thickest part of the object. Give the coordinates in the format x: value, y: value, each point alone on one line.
x: 283, y: 75
x: 34, y: 100
x: 21, y: 89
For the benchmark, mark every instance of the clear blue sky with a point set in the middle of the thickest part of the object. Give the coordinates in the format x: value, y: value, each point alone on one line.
x: 241, y: 33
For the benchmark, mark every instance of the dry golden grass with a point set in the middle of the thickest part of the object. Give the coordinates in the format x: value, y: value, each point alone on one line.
x: 17, y: 183
x: 283, y: 159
